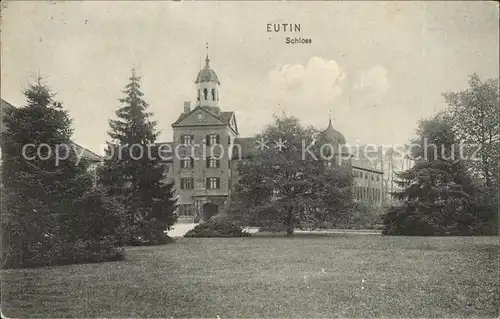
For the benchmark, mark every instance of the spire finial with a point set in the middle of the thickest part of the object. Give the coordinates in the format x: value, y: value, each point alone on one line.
x: 330, y: 117
x: 38, y: 77
x: 207, y: 60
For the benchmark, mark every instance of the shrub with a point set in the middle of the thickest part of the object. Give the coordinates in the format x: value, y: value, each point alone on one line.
x: 217, y: 227
x: 86, y: 231
x: 398, y: 222
x: 360, y: 216
x: 142, y: 241
x: 272, y: 227
x: 65, y: 253
x: 472, y: 220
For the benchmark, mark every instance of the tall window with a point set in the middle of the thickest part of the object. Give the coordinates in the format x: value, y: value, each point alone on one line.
x: 187, y: 183
x: 213, y: 183
x: 213, y: 94
x: 187, y: 162
x: 187, y: 139
x: 212, y: 139
x: 212, y: 162
x: 205, y: 93
x: 186, y: 210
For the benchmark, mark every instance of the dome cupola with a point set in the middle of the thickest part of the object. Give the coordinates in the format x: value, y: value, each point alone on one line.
x: 332, y: 136
x: 207, y: 88
x: 207, y: 74
x: 337, y: 151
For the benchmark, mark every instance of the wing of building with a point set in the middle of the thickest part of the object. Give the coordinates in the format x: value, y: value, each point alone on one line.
x: 204, y: 183
x: 87, y: 154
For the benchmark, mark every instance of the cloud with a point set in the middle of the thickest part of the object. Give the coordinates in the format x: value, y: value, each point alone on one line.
x: 303, y: 90
x: 306, y: 91
x: 316, y: 82
x: 375, y: 80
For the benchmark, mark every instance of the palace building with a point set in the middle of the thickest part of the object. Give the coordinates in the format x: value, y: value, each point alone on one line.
x: 205, y: 169
x: 208, y: 148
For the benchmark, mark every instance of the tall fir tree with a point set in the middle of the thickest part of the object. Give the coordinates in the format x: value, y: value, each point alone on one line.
x: 435, y: 196
x: 42, y: 181
x: 134, y: 171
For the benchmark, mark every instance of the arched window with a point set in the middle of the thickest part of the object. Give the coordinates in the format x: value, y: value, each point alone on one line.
x: 199, y: 95
x: 205, y: 93
x: 213, y: 94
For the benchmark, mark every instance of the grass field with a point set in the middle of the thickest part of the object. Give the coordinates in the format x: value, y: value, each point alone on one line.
x: 305, y: 276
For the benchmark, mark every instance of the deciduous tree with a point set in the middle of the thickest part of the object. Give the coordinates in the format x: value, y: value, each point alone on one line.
x: 279, y: 184
x: 476, y: 117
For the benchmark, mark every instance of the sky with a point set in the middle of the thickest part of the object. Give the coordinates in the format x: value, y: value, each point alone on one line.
x: 378, y: 66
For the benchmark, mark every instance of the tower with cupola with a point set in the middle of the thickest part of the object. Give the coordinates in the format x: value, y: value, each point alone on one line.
x: 202, y: 166
x: 207, y: 87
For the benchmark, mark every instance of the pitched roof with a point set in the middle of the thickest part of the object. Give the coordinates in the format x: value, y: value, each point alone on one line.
x: 226, y: 116
x: 87, y: 154
x: 206, y: 109
x: 4, y: 105
x: 358, y: 164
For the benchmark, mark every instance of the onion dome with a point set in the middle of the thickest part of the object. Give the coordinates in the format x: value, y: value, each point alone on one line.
x: 207, y: 74
x: 332, y: 136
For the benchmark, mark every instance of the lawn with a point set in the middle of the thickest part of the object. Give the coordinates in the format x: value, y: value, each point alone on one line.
x: 305, y: 276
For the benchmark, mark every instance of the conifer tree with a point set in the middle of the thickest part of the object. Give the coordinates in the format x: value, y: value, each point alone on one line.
x: 42, y: 179
x: 133, y: 170
x: 436, y: 193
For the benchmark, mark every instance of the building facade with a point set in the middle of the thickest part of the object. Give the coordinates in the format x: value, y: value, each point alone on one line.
x: 203, y: 166
x: 206, y: 148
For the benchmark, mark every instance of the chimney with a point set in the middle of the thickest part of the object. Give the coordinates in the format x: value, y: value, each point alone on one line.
x: 187, y: 106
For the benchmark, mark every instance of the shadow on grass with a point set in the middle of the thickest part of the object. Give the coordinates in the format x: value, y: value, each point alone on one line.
x: 310, y: 235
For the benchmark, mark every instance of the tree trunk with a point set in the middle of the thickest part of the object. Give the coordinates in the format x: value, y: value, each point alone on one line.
x: 289, y: 222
